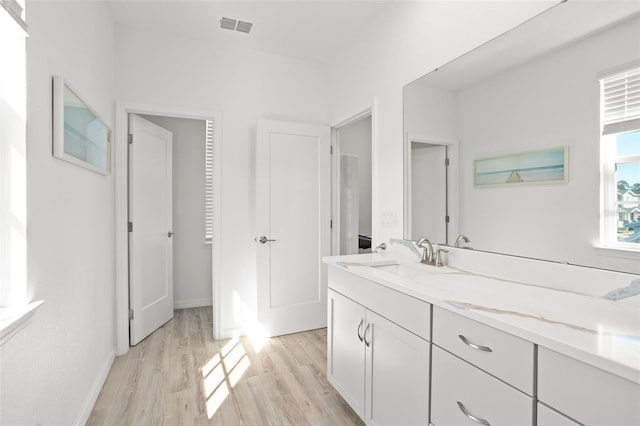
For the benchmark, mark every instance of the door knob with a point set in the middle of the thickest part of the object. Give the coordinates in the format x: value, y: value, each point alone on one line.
x: 264, y: 240
x: 170, y: 234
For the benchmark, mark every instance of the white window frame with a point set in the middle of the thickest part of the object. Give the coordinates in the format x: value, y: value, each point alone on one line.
x: 611, y: 128
x: 16, y: 310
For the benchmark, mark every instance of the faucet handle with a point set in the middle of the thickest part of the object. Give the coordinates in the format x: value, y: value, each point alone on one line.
x: 427, y: 254
x: 439, y: 257
x: 382, y: 247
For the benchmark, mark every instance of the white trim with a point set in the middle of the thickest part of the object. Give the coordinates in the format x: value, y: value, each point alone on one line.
x: 123, y: 109
x: 192, y: 303
x: 16, y: 318
x: 609, y: 72
x: 619, y: 252
x: 335, y: 172
x: 92, y: 397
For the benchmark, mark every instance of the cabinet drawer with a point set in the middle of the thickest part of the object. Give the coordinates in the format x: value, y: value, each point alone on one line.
x: 501, y: 354
x: 549, y: 417
x: 585, y: 393
x: 458, y: 386
x: 406, y: 311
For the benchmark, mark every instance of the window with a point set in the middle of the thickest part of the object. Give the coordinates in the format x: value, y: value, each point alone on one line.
x: 15, y: 308
x: 620, y: 148
x: 208, y: 186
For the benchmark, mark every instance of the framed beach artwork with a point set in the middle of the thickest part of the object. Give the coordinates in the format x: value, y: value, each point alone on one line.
x: 79, y: 135
x: 546, y: 166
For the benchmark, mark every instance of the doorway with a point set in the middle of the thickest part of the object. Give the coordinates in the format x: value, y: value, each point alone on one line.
x: 353, y: 185
x: 292, y: 224
x: 170, y: 118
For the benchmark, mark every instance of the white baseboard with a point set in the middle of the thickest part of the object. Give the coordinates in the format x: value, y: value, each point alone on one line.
x: 94, y: 392
x: 192, y: 303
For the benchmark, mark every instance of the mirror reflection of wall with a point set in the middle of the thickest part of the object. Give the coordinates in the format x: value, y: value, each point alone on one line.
x: 354, y: 225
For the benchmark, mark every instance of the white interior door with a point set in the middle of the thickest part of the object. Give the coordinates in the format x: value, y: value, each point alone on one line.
x: 292, y: 225
x: 150, y: 239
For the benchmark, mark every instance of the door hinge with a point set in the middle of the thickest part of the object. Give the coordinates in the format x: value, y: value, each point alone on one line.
x: 330, y: 149
x: 446, y: 162
x: 331, y: 224
x: 130, y: 314
x: 130, y: 226
x: 130, y: 138
x: 446, y: 219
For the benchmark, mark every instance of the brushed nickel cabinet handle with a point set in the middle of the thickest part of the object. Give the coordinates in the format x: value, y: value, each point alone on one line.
x: 471, y: 416
x: 358, y: 331
x: 366, y: 330
x: 473, y: 345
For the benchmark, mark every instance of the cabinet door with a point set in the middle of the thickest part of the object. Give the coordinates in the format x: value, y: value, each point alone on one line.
x: 397, y: 391
x: 345, y: 350
x: 462, y: 394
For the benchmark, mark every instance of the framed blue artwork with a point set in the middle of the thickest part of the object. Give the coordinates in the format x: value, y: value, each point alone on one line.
x: 537, y: 167
x: 79, y: 135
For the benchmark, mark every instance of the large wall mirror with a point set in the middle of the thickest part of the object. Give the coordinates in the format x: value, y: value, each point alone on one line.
x: 531, y: 89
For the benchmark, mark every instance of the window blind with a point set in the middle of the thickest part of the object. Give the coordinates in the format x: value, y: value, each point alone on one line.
x: 621, y: 102
x: 208, y: 196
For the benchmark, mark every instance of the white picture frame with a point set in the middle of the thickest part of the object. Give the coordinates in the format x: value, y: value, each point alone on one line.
x: 80, y: 136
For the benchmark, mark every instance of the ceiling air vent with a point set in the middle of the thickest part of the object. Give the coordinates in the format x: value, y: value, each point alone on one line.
x: 228, y: 23
x: 235, y: 24
x: 244, y: 27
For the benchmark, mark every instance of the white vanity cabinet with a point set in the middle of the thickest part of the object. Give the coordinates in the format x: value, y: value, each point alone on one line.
x: 507, y: 357
x: 465, y: 395
x: 585, y: 393
x: 480, y: 375
x: 398, y: 359
x: 379, y: 367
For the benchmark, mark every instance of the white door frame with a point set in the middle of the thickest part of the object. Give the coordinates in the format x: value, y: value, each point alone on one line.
x: 123, y: 109
x: 371, y: 111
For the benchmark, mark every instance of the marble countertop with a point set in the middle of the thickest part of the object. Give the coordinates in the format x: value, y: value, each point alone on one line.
x: 594, y: 329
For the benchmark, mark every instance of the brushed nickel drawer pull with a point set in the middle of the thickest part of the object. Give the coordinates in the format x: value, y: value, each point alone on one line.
x: 474, y: 346
x: 471, y: 416
x: 358, y: 331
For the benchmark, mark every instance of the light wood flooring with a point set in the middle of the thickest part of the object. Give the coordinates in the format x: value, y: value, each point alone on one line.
x: 181, y: 376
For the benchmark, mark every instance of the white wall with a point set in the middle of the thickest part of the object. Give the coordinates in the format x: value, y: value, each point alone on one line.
x: 52, y: 370
x: 356, y: 139
x: 243, y: 85
x: 191, y: 255
x: 410, y: 40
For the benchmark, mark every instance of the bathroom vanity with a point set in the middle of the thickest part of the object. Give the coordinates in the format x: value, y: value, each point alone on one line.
x: 488, y: 339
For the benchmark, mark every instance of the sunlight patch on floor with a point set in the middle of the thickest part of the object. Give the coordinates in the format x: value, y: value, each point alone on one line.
x: 222, y: 372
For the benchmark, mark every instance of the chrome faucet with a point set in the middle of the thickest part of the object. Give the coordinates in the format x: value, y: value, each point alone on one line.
x: 462, y: 238
x: 427, y: 255
x: 382, y: 247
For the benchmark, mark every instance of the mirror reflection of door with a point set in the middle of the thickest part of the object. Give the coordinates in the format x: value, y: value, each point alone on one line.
x: 354, y: 176
x: 428, y: 193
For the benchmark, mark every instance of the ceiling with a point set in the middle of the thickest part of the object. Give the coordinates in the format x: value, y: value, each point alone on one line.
x: 303, y: 29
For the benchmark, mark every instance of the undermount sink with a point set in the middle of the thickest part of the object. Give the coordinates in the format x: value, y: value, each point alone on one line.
x: 398, y: 269
x: 405, y: 270
x: 394, y: 267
